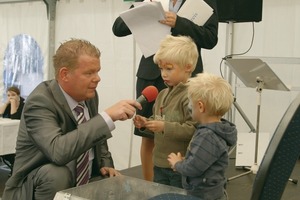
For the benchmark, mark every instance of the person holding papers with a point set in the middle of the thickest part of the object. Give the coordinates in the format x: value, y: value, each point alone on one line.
x: 148, y: 73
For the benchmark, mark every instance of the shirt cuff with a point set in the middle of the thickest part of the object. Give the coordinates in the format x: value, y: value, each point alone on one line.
x: 108, y: 120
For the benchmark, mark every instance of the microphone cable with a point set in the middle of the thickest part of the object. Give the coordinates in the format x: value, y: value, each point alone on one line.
x: 238, y: 54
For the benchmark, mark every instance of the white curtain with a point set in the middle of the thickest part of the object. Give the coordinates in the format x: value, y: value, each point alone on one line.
x: 27, y: 23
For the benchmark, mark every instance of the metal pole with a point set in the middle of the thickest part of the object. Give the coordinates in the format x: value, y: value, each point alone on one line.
x: 259, y: 88
x: 51, y: 10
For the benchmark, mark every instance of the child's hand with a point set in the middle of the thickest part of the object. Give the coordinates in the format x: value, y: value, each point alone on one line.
x: 155, y: 126
x: 139, y: 121
x: 173, y: 159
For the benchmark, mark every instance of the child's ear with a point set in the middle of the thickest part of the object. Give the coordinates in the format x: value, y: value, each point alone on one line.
x: 188, y: 68
x: 201, y: 106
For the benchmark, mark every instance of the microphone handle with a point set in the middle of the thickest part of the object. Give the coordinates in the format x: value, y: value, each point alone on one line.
x: 141, y: 99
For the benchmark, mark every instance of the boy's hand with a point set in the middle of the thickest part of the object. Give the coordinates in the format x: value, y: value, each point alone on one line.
x: 139, y: 121
x: 155, y: 126
x: 173, y: 159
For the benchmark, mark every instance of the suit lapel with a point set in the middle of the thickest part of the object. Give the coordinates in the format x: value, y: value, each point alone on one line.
x: 92, y: 105
x: 59, y: 97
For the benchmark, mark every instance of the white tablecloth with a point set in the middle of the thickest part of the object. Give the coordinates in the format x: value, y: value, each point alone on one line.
x: 8, y: 135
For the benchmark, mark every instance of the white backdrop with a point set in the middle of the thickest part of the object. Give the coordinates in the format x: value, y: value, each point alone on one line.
x: 276, y: 36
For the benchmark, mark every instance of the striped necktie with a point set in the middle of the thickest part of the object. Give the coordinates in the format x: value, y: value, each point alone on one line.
x: 82, y: 167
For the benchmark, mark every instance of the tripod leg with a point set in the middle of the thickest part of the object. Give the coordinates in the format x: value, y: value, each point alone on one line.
x: 231, y: 149
x: 295, y: 181
x: 237, y: 176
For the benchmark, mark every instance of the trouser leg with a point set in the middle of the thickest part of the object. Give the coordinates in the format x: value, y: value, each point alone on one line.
x: 50, y: 179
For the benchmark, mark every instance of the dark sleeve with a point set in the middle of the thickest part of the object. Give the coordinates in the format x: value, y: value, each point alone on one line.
x: 6, y: 113
x: 102, y: 157
x: 120, y: 29
x: 17, y: 115
x: 204, y: 152
x: 205, y: 36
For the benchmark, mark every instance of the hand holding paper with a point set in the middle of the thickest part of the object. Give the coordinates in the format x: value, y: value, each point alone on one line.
x: 143, y: 22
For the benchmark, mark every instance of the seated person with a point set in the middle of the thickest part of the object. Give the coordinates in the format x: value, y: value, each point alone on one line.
x: 14, y: 104
x: 12, y: 109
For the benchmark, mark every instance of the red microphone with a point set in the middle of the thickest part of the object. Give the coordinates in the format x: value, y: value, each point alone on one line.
x: 149, y: 94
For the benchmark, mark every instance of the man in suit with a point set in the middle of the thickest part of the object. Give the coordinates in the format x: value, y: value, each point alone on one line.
x: 148, y: 73
x: 50, y: 139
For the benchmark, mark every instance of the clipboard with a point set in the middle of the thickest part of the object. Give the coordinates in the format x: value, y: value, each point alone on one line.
x: 198, y: 11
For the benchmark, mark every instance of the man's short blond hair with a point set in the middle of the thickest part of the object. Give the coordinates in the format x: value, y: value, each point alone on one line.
x: 214, y: 91
x: 68, y: 53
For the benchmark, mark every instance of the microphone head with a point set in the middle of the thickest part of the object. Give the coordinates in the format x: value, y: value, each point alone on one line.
x: 150, y: 93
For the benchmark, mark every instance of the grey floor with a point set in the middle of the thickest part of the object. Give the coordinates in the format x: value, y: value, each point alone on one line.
x: 238, y: 189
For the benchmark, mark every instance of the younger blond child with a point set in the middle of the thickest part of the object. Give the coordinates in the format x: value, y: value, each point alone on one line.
x: 204, y: 165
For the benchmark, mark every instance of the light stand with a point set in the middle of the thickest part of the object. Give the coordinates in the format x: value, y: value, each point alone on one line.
x: 255, y: 73
x: 246, y: 119
x: 239, y: 109
x: 259, y: 88
x: 254, y: 167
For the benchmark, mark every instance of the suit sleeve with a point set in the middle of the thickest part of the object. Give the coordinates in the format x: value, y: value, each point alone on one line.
x: 103, y: 158
x: 120, y: 29
x: 54, y: 131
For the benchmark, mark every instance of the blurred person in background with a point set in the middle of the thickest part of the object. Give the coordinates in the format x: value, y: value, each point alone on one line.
x: 12, y: 109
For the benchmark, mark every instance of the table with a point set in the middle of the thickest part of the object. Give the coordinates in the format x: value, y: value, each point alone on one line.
x: 118, y: 188
x: 8, y: 135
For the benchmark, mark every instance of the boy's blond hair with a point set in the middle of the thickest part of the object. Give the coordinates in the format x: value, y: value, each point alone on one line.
x: 180, y: 50
x: 214, y: 92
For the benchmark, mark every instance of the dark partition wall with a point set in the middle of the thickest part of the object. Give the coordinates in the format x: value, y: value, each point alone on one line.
x: 240, y: 10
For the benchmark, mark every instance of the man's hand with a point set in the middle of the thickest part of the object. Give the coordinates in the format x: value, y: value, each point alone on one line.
x: 109, y: 172
x: 123, y: 110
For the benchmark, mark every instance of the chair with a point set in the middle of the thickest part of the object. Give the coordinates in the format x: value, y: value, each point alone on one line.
x: 280, y: 157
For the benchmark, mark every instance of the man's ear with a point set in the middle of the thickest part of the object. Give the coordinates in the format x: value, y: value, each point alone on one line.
x: 64, y: 73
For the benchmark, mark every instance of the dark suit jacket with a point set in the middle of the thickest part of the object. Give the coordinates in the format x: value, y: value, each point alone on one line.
x: 49, y: 133
x: 205, y: 36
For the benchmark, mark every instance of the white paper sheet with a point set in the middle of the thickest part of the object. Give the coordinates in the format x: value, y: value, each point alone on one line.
x: 144, y: 26
x: 198, y: 11
x: 164, y: 3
